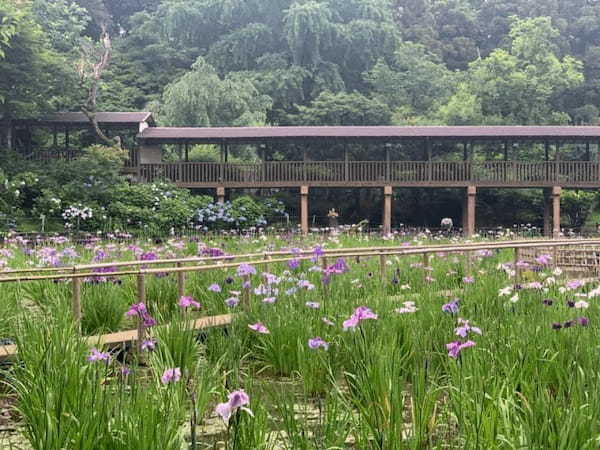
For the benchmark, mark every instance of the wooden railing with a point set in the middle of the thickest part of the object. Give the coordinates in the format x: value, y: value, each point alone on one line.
x: 376, y: 173
x: 78, y: 273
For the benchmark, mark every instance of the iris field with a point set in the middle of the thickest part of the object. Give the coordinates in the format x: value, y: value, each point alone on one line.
x: 324, y: 356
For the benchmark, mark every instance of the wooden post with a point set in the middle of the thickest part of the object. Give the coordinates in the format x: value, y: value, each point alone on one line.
x: 382, y: 266
x: 556, y: 191
x: 54, y: 137
x: 469, y: 211
x: 180, y: 282
x: 220, y: 194
x: 428, y: 157
x: 555, y: 256
x: 516, y: 264
x: 505, y: 150
x: 67, y: 138
x: 266, y: 257
x: 557, y: 163
x: 387, y: 210
x: 548, y: 212
x: 425, y: 265
x: 76, y: 305
x: 387, y: 162
x: 304, y: 209
x: 304, y: 160
x: 187, y: 152
x: 346, y: 163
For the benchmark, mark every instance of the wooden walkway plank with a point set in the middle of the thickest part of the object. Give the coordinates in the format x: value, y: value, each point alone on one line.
x: 130, y: 336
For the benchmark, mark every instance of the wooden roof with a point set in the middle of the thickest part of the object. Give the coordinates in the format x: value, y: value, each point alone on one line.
x: 78, y: 119
x: 370, y: 133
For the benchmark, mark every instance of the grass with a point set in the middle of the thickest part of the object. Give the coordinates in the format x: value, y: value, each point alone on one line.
x: 387, y: 383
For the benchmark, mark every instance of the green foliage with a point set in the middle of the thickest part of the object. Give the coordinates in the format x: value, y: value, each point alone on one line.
x: 578, y: 205
x: 343, y: 109
x: 202, y: 98
x: 156, y: 208
x: 35, y: 78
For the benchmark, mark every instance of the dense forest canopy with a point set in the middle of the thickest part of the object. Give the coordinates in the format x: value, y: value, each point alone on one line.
x: 308, y: 62
x: 234, y: 62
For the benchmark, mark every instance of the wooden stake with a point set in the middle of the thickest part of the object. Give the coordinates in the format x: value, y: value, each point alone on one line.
x: 180, y: 282
x: 77, y: 302
x: 382, y: 267
x: 516, y: 262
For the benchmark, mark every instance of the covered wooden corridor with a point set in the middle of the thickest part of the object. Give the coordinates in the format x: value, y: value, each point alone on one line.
x: 555, y: 170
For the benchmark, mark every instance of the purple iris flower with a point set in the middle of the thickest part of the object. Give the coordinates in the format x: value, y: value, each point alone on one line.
x: 188, y: 302
x: 451, y: 307
x: 236, y: 400
x: 245, y: 270
x: 171, y: 375
x: 454, y: 348
x: 317, y: 342
x: 214, y: 288
x: 361, y: 313
x: 96, y: 355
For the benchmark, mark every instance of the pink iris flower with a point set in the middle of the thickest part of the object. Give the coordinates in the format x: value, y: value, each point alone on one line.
x: 360, y: 313
x: 454, y: 348
x: 259, y: 328
x: 235, y: 400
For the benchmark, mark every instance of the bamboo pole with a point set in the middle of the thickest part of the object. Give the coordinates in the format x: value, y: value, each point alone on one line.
x: 180, y: 282
x: 76, y: 304
x: 516, y: 264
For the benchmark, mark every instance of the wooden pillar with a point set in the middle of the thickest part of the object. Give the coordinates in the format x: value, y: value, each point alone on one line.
x: 557, y: 162
x: 346, y: 163
x: 469, y: 211
x: 304, y: 209
x: 387, y: 210
x: 220, y: 194
x: 67, y: 138
x: 387, y: 162
x: 548, y: 212
x: 428, y: 157
x: 187, y: 152
x: 304, y: 160
x: 54, y: 137
x: 76, y: 301
x: 180, y: 281
x: 556, y: 191
x: 505, y: 150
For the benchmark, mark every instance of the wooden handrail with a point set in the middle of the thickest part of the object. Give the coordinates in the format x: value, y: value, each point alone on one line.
x: 497, y: 173
x: 133, y: 263
x: 398, y: 251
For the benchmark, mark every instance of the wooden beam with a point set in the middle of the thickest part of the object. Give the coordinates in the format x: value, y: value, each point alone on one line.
x: 387, y: 210
x: 304, y: 209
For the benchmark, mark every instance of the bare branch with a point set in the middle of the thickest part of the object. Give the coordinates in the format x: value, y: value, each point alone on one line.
x: 90, y: 69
